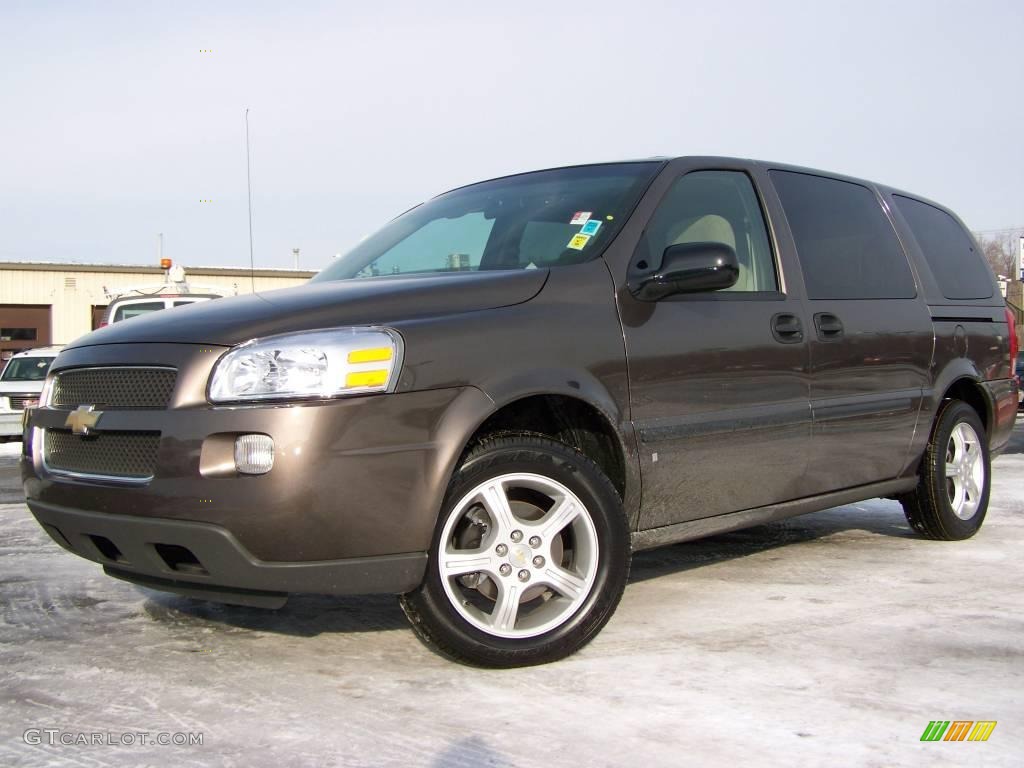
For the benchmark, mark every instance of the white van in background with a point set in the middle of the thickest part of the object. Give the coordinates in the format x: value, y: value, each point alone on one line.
x: 175, y: 291
x: 21, y: 383
x: 127, y: 307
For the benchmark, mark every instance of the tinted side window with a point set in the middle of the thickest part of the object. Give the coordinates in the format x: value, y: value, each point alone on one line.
x: 718, y: 207
x: 126, y: 311
x: 956, y: 264
x: 847, y: 247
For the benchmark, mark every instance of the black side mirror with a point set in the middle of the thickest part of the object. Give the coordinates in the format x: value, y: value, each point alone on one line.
x: 689, y: 268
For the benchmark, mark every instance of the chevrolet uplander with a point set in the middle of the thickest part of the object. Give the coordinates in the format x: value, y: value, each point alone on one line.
x: 488, y: 405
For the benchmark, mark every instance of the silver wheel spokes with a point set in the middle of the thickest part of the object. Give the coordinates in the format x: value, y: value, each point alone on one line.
x: 965, y: 471
x: 518, y: 555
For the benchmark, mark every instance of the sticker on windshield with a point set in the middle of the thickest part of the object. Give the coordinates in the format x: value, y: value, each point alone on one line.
x: 578, y: 241
x: 591, y: 227
x: 580, y: 217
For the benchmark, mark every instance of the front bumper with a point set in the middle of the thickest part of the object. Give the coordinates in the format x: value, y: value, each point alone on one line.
x: 207, y: 561
x: 10, y: 423
x: 349, y: 506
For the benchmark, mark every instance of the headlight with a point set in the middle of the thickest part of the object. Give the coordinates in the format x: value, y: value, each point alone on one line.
x: 324, y: 363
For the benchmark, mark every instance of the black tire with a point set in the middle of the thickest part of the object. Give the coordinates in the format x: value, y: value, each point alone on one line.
x: 928, y: 508
x: 429, y: 609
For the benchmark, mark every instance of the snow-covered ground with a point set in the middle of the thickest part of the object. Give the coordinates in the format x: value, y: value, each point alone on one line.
x: 831, y: 639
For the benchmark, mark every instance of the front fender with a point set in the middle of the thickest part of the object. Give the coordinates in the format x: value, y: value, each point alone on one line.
x: 565, y: 341
x: 583, y: 386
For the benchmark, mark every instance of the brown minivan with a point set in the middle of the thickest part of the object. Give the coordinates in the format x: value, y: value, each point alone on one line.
x: 487, y: 406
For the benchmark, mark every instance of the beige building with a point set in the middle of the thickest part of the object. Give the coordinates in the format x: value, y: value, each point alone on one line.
x: 49, y: 303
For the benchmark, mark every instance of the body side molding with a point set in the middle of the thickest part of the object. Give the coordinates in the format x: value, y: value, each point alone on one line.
x: 733, y: 521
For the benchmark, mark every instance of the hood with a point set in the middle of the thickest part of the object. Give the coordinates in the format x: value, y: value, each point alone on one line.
x: 18, y: 387
x: 323, y: 305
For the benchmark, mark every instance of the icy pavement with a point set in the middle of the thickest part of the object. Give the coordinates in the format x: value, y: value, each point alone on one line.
x: 830, y: 639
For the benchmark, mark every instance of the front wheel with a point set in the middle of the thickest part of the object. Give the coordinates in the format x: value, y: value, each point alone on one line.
x: 530, y: 557
x: 951, y: 498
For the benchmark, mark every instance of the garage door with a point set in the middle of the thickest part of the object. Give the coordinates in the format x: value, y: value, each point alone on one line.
x: 23, y: 326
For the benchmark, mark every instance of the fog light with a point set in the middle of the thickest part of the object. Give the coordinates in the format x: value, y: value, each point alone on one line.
x: 254, y: 454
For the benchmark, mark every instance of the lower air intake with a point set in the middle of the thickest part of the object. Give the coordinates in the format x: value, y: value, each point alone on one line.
x: 128, y: 455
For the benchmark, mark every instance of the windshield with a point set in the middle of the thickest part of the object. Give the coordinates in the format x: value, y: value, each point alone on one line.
x: 542, y: 219
x: 26, y: 369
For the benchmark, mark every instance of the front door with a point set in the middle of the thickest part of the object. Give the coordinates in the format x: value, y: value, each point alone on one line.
x: 870, y: 337
x: 718, y: 393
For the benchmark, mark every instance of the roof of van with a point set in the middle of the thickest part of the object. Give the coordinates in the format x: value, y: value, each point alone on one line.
x: 712, y: 159
x: 40, y: 351
x: 703, y: 159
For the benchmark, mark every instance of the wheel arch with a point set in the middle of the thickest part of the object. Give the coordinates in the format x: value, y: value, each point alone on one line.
x: 959, y: 379
x: 971, y: 392
x: 571, y: 407
x: 962, y: 380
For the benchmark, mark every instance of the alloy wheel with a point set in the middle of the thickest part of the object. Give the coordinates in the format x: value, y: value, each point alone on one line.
x: 518, y: 555
x: 965, y: 471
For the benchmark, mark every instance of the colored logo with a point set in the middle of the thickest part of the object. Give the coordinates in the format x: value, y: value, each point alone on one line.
x: 591, y: 227
x: 958, y: 730
x: 83, y: 419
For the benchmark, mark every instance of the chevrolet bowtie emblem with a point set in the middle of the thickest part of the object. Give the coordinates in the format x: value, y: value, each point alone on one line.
x: 83, y: 419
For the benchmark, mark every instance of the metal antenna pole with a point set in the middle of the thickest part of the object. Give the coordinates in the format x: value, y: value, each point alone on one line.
x: 248, y: 183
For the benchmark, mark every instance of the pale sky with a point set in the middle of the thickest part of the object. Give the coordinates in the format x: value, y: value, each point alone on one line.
x: 114, y: 124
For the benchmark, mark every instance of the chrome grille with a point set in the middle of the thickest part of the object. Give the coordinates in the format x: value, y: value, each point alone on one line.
x: 128, y: 455
x: 113, y: 388
x: 19, y: 402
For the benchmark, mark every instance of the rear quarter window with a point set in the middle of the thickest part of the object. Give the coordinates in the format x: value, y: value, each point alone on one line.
x: 958, y: 267
x: 846, y: 244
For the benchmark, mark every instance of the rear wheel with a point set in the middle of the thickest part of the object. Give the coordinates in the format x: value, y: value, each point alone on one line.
x: 951, y: 498
x: 530, y: 557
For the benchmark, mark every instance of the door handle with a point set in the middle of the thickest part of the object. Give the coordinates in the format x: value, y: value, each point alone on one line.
x: 829, y: 326
x: 787, y: 328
